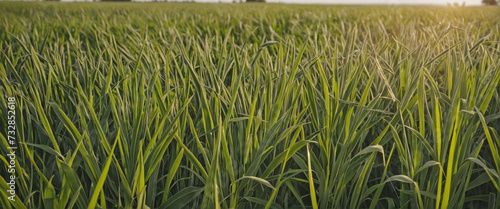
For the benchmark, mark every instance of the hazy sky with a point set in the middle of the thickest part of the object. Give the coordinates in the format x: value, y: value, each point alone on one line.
x: 402, y: 2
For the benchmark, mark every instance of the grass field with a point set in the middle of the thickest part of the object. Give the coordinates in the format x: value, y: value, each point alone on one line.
x: 150, y: 105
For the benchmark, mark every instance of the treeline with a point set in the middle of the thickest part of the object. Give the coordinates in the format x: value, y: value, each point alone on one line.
x: 490, y: 2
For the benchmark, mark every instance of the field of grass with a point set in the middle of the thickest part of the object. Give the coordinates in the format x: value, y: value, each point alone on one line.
x: 130, y: 105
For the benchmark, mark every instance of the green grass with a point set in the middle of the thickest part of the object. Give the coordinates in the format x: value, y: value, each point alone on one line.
x: 123, y: 105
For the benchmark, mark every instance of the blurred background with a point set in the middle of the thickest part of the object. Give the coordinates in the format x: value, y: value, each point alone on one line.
x: 355, y: 2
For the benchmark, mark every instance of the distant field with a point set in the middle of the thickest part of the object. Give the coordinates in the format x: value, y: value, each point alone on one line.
x: 187, y: 105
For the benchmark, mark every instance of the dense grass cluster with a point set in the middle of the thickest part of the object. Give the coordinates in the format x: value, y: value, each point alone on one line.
x: 251, y: 106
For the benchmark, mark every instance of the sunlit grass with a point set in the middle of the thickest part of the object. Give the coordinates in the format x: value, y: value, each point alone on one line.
x: 251, y: 106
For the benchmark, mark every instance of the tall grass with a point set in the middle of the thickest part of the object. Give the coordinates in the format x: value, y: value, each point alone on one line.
x: 251, y: 106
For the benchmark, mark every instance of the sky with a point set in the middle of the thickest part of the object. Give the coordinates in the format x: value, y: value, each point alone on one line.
x: 391, y: 2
